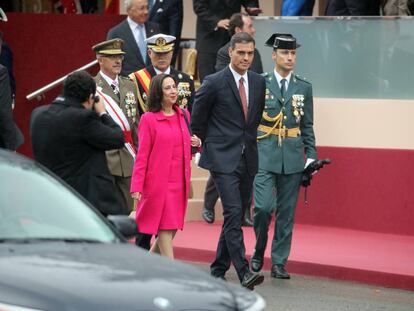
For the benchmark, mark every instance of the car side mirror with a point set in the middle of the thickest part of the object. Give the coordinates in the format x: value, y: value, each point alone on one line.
x: 124, y: 224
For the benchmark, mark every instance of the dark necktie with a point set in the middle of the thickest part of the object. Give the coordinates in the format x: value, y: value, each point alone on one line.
x: 115, y: 89
x: 283, y: 87
x: 243, y: 98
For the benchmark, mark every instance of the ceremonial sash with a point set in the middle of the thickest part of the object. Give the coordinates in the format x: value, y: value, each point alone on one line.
x: 143, y: 78
x: 116, y: 113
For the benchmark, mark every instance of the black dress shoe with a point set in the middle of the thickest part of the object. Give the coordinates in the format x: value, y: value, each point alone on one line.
x: 279, y: 272
x: 247, y: 222
x: 251, y: 279
x: 256, y: 265
x: 208, y: 215
x: 256, y: 262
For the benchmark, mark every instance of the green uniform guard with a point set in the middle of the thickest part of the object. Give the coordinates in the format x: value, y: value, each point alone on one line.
x: 285, y: 135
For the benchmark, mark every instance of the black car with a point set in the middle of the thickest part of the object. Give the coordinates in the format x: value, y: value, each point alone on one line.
x: 58, y: 253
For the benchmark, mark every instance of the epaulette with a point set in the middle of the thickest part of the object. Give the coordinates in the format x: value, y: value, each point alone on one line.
x: 125, y: 78
x: 264, y: 74
x: 302, y: 78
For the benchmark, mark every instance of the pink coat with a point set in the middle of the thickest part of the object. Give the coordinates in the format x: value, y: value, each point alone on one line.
x: 152, y: 161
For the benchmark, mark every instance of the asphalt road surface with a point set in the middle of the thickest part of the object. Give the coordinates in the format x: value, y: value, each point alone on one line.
x: 304, y: 293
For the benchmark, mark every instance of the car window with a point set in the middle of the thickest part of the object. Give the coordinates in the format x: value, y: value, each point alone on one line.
x: 35, y: 205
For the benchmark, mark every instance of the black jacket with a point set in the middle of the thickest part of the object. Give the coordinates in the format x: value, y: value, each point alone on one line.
x: 352, y: 8
x: 209, y: 39
x: 169, y: 15
x: 8, y: 138
x: 218, y: 119
x: 223, y: 59
x: 71, y: 141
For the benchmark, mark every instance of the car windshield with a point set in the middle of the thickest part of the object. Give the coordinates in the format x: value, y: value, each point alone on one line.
x: 34, y: 206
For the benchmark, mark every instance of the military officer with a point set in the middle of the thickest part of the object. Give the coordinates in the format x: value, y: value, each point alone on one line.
x: 160, y: 51
x: 285, y: 135
x: 120, y: 98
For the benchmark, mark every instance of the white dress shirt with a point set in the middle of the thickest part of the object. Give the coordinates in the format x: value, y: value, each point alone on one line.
x: 279, y: 79
x: 237, y: 77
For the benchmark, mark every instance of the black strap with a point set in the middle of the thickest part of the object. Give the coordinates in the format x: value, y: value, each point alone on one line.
x: 186, y: 121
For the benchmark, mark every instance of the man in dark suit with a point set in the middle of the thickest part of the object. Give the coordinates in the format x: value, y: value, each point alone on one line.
x: 169, y: 15
x: 70, y: 137
x: 239, y: 22
x: 352, y: 8
x: 6, y: 59
x: 211, y: 30
x: 227, y: 110
x: 8, y: 135
x: 133, y: 31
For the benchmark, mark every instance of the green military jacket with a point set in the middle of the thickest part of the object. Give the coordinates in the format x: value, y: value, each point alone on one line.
x: 288, y: 155
x: 120, y: 162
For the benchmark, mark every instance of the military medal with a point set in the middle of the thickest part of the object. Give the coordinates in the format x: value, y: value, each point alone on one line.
x: 298, y: 104
x: 130, y: 105
x: 184, y: 93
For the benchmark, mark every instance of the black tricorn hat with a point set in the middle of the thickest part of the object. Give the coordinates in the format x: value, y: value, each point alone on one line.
x: 282, y: 41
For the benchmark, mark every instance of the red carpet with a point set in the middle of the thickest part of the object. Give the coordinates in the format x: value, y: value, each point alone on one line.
x: 373, y: 258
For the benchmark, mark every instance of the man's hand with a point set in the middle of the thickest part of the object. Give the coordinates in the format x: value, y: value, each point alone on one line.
x: 195, y: 141
x: 254, y: 11
x: 223, y: 23
x: 99, y: 107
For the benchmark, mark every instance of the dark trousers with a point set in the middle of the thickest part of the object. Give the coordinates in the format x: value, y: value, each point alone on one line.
x: 205, y: 64
x: 211, y: 196
x: 265, y: 203
x: 234, y: 189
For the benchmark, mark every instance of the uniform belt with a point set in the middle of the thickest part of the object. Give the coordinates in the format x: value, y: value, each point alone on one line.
x: 284, y: 132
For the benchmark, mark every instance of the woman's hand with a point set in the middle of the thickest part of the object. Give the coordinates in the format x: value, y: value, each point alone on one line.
x: 136, y: 195
x: 195, y: 141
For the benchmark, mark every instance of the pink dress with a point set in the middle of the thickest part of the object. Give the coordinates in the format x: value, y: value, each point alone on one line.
x: 175, y: 202
x: 162, y: 171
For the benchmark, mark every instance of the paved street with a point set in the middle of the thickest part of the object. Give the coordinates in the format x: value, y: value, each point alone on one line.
x: 303, y: 293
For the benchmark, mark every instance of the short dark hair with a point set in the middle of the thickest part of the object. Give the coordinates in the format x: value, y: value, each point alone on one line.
x: 241, y: 37
x: 236, y: 20
x: 154, y: 101
x: 79, y: 85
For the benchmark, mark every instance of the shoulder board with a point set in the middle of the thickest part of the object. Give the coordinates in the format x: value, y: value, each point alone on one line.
x: 302, y: 78
x: 125, y: 78
x: 264, y: 74
x: 181, y: 75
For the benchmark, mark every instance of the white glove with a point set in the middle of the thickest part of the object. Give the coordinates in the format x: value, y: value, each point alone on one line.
x: 197, y: 158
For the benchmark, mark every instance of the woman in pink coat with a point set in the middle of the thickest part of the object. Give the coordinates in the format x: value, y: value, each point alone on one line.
x: 161, y: 177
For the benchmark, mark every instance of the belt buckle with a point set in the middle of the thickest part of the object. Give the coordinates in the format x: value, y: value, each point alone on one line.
x: 283, y: 133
